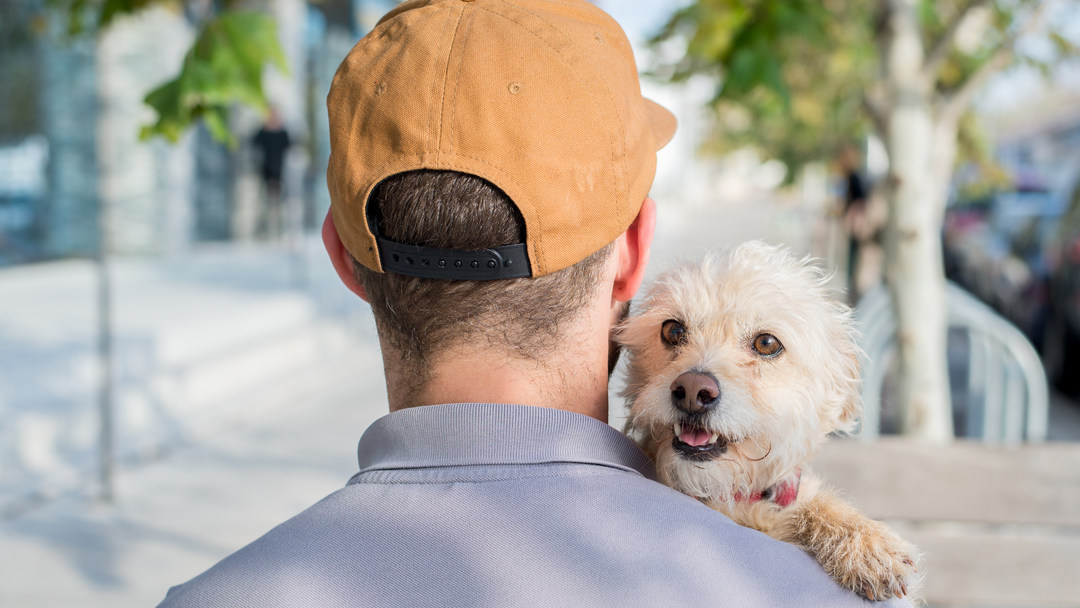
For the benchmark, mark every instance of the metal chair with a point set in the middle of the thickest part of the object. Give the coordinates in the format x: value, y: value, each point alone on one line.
x: 999, y: 377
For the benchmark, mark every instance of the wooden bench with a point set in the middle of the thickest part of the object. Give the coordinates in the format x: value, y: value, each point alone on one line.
x: 998, y: 526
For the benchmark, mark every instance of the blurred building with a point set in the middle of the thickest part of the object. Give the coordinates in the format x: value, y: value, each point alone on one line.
x: 72, y: 169
x: 1043, y: 142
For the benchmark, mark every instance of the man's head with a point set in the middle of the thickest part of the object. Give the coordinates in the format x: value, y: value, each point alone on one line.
x: 420, y: 317
x: 273, y: 118
x: 487, y: 157
x: 849, y: 157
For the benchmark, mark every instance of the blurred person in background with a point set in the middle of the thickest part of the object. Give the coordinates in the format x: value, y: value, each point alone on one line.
x: 271, y: 142
x: 862, y: 222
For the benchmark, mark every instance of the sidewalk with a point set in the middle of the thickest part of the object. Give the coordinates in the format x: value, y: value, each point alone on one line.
x: 176, y: 516
x: 289, y: 433
x: 997, y: 526
x: 191, y: 338
x: 246, y: 374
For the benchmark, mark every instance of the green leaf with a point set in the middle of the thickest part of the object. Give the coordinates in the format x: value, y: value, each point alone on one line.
x: 927, y: 12
x: 1063, y: 46
x: 92, y: 16
x: 217, y: 122
x: 172, y: 115
x: 223, y: 67
x: 112, y: 9
x: 789, y: 74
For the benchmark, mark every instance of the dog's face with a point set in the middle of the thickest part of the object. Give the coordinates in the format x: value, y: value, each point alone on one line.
x: 738, y: 370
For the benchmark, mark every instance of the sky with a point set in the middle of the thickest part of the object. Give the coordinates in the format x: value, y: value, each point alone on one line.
x: 639, y: 18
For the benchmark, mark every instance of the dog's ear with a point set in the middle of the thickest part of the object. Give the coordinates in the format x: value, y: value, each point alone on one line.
x: 846, y: 380
x: 843, y: 402
x: 851, y: 401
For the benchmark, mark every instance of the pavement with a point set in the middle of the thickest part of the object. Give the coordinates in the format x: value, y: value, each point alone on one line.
x: 996, y: 526
x: 247, y: 376
x: 192, y: 337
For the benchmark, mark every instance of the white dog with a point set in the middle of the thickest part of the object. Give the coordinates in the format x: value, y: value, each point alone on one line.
x: 739, y: 368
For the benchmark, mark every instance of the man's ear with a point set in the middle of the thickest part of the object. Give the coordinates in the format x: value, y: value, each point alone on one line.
x: 633, y: 249
x: 340, y: 257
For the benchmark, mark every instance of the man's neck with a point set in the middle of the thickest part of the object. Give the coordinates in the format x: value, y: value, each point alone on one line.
x: 486, y: 376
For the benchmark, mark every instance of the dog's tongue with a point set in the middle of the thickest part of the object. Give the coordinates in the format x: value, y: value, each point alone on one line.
x: 694, y: 436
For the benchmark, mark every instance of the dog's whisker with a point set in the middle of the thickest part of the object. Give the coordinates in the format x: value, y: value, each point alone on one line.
x: 764, y: 456
x: 742, y: 469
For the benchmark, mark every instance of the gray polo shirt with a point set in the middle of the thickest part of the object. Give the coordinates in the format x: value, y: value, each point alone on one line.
x: 506, y: 505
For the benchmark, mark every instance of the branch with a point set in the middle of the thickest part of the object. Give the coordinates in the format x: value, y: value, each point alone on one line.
x: 872, y: 104
x: 944, y: 44
x: 953, y: 105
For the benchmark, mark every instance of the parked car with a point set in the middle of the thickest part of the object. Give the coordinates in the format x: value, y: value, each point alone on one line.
x: 1061, y: 333
x: 994, y: 248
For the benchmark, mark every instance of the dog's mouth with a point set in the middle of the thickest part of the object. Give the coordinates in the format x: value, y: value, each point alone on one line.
x: 697, y: 442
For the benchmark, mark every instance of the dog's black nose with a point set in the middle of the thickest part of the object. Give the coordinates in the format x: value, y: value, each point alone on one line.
x: 695, y: 392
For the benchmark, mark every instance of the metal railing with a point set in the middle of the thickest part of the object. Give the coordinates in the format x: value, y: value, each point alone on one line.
x: 1007, y: 397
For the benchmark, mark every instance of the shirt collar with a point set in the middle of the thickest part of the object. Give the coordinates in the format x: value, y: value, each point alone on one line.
x: 469, y: 434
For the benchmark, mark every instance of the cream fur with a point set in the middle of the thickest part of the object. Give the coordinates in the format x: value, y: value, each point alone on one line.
x: 774, y: 412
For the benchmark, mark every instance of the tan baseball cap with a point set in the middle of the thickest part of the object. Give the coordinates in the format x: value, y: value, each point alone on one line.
x: 539, y: 97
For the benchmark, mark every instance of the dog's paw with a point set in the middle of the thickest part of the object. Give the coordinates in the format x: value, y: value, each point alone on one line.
x: 879, y: 564
x: 870, y: 560
x: 861, y: 554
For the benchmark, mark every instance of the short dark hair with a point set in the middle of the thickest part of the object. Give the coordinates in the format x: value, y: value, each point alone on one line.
x: 421, y: 317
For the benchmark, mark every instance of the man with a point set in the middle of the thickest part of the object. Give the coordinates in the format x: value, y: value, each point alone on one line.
x: 857, y: 222
x: 490, y: 164
x: 272, y: 142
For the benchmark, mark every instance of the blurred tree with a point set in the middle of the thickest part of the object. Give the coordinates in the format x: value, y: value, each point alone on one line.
x: 797, y: 78
x: 19, y: 103
x: 224, y: 65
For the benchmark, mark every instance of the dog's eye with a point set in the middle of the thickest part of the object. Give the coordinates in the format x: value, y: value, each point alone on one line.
x: 672, y: 332
x: 767, y: 345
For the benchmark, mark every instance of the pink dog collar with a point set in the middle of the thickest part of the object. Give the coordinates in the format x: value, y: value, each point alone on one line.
x: 783, y: 494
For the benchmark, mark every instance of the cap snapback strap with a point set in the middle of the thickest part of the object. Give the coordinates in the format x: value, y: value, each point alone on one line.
x: 504, y: 262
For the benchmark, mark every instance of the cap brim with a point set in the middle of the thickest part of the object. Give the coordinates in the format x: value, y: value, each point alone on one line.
x: 661, y: 121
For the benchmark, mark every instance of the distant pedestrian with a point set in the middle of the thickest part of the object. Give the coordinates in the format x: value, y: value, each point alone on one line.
x: 272, y: 142
x: 858, y: 223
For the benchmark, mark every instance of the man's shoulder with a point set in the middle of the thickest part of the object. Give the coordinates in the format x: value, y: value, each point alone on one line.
x: 611, y: 538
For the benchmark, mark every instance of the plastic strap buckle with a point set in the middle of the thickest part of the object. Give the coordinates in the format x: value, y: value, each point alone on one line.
x: 505, y: 262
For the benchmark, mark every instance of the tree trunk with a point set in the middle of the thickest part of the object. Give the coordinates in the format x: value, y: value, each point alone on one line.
x: 914, y: 271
